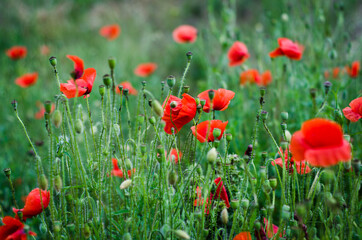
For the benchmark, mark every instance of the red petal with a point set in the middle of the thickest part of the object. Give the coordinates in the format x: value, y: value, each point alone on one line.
x: 351, y: 115
x: 78, y: 65
x: 185, y: 34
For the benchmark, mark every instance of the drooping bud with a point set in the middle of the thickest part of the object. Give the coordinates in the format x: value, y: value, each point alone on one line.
x: 112, y: 63
x: 181, y: 234
x: 152, y: 120
x: 86, y: 231
x: 57, y: 118
x: 53, y: 61
x: 125, y: 184
x: 58, y: 184
x: 224, y: 216
x: 211, y: 94
x: 128, y: 163
x: 78, y: 126
x: 273, y: 183
x: 157, y: 108
x: 171, y: 80
x: 211, y: 155
x: 107, y: 80
x: 102, y: 90
x: 48, y: 106
x: 172, y: 177
x: 43, y: 182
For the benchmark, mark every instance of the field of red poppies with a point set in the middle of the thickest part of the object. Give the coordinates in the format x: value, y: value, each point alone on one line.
x: 180, y: 120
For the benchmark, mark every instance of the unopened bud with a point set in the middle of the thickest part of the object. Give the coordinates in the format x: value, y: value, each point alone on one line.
x: 125, y: 184
x: 15, y: 104
x: 57, y: 118
x: 273, y: 183
x: 211, y: 94
x: 78, y: 126
x: 48, y: 106
x: 152, y: 120
x: 111, y: 63
x: 129, y: 164
x: 53, y: 61
x: 171, y: 80
x: 181, y: 234
x: 107, y: 80
x: 43, y: 182
x: 264, y: 115
x: 172, y: 177
x: 224, y: 216
x: 211, y: 155
x: 102, y: 90
x: 288, y: 136
x: 216, y: 132
x: 7, y: 172
x: 157, y: 108
x: 87, y: 231
x: 58, y: 184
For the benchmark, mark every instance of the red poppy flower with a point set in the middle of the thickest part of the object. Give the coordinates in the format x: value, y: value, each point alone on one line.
x: 249, y: 76
x: 199, y: 201
x: 78, y: 66
x: 354, y: 70
x: 287, y: 48
x: 301, y: 167
x: 237, y: 54
x: 243, y: 236
x: 335, y: 73
x: 13, y: 229
x: 183, y: 113
x: 220, y: 192
x: 174, y: 155
x: 127, y: 85
x: 184, y: 34
x: 145, y: 69
x: 116, y: 171
x: 221, y: 99
x: 27, y: 80
x: 131, y: 172
x: 33, y: 204
x: 17, y: 52
x: 41, y: 112
x: 205, y: 130
x: 110, y: 32
x: 272, y: 231
x: 81, y: 86
x: 44, y: 50
x: 354, y: 113
x: 265, y: 79
x: 321, y: 143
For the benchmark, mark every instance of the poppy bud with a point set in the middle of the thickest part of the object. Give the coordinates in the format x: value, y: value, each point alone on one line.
x: 262, y: 92
x: 78, y: 126
x: 224, y: 216
x: 157, y: 108
x: 285, y: 212
x: 111, y: 63
x: 327, y: 86
x: 273, y: 183
x: 189, y: 56
x: 125, y: 92
x: 186, y: 89
x: 249, y: 150
x: 181, y: 234
x: 53, y: 61
x: 234, y: 203
x: 152, y: 120
x: 125, y: 184
x: 229, y: 137
x: 43, y: 182
x: 257, y: 225
x: 327, y: 176
x: 43, y: 228
x: 172, y: 177
x: 262, y: 172
x: 173, y: 104
x: 264, y: 115
x: 128, y: 163
x: 58, y: 184
x: 116, y: 128
x: 216, y: 132
x: 48, y: 106
x: 143, y: 149
x: 284, y: 116
x: 202, y: 102
x: 57, y: 226
x: 266, y: 187
x: 127, y: 236
x: 15, y: 104
x: 7, y: 172
x: 171, y: 80
x: 102, y: 90
x: 86, y: 231
x: 141, y: 118
x: 57, y: 118
x: 211, y: 155
x: 313, y: 92
x: 107, y: 80
x: 211, y: 94
x: 245, y: 203
x: 288, y: 136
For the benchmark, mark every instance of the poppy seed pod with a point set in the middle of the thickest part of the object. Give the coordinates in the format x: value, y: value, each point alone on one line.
x: 157, y: 108
x: 229, y: 137
x: 202, y: 102
x: 211, y: 155
x: 78, y: 126
x: 224, y: 216
x: 262, y: 92
x: 262, y: 172
x: 171, y: 80
x: 48, y: 106
x: 125, y: 91
x: 266, y: 187
x: 211, y: 94
x: 107, y: 80
x: 53, y: 61
x: 327, y: 86
x: 181, y: 234
x: 186, y: 89
x: 245, y: 203
x: 216, y: 132
x: 313, y: 92
x: 43, y: 182
x: 197, y: 100
x: 234, y: 203
x: 7, y: 172
x: 284, y: 145
x: 125, y: 184
x: 189, y: 56
x: 102, y: 90
x: 173, y: 104
x: 111, y: 63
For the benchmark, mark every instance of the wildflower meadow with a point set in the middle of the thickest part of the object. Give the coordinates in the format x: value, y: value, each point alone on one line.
x: 232, y: 120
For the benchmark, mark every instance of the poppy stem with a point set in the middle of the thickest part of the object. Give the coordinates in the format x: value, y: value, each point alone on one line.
x: 184, y: 76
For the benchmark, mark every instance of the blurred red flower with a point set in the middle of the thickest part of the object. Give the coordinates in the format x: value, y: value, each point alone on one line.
x: 174, y: 155
x: 220, y: 192
x: 237, y: 54
x: 185, y: 34
x: 206, y: 128
x: 78, y: 66
x: 243, y: 236
x: 335, y: 73
x: 116, y: 171
x: 252, y: 76
x: 27, y: 80
x: 81, y: 86
x: 111, y: 32
x: 127, y: 85
x: 288, y: 48
x: 183, y: 113
x: 17, y: 52
x: 353, y: 71
x: 44, y: 50
x: 13, y: 229
x: 145, y: 69
x: 354, y: 113
x: 33, y: 204
x: 321, y: 143
x: 221, y: 99
x: 301, y: 167
x: 272, y: 231
x: 41, y: 112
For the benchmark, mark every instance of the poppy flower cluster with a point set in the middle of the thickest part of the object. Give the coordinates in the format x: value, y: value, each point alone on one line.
x: 252, y: 76
x: 17, y: 52
x: 288, y: 48
x: 84, y: 79
x: 301, y: 167
x: 117, y: 172
x: 237, y: 54
x: 354, y: 112
x: 184, y: 34
x: 352, y: 71
x: 128, y: 86
x: 321, y: 143
x: 13, y: 229
x: 34, y: 204
x: 145, y: 69
x: 110, y: 32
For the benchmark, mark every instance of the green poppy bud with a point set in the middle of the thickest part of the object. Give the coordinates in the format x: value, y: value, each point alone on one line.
x: 111, y: 63
x: 43, y: 182
x: 224, y: 216
x: 171, y: 80
x: 78, y: 126
x: 102, y: 90
x: 107, y: 80
x: 172, y: 177
x: 211, y: 156
x: 53, y: 61
x: 181, y: 234
x: 157, y: 108
x: 58, y: 183
x: 57, y: 118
